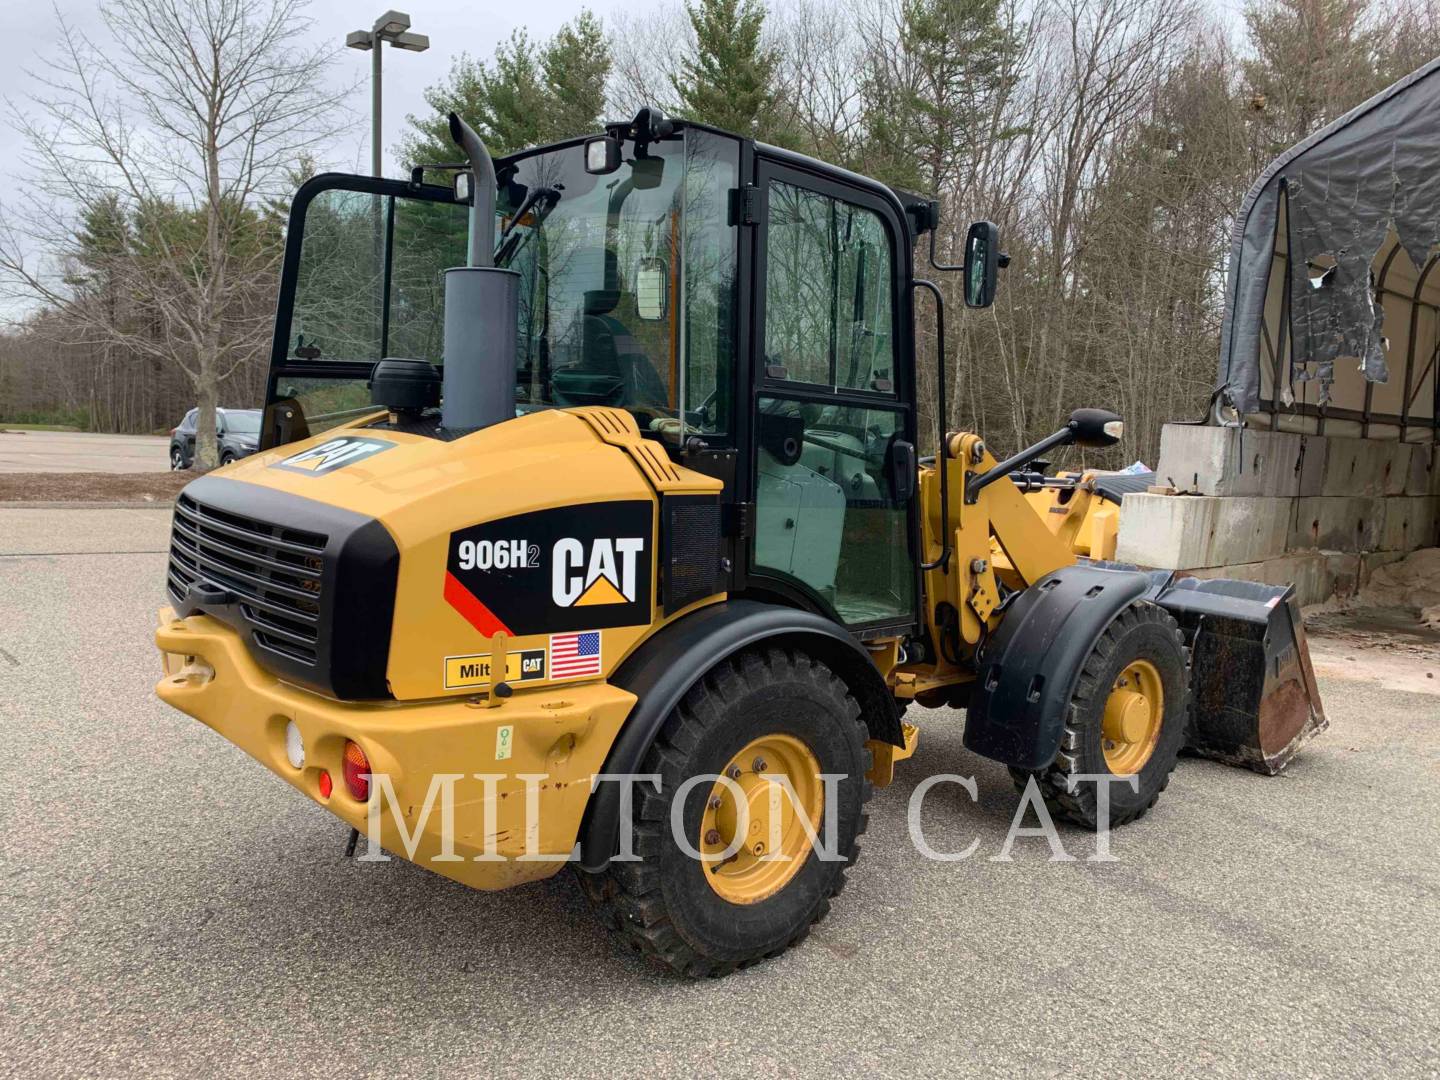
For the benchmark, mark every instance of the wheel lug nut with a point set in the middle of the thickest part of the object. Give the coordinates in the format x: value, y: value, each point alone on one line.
x: 759, y: 849
x: 712, y: 836
x: 759, y: 764
x: 715, y: 802
x: 734, y: 773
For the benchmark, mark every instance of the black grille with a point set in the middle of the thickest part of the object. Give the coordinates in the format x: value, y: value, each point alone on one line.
x: 273, y: 574
x: 690, y: 546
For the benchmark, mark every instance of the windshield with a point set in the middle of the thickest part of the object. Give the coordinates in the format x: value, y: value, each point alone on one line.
x: 627, y: 284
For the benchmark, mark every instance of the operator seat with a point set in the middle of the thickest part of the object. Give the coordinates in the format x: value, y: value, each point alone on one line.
x: 613, y: 368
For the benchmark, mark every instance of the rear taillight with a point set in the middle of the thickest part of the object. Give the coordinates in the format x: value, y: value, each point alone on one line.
x: 326, y: 785
x: 357, y: 772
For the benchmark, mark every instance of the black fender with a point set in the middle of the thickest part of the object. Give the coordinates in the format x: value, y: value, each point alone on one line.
x: 1033, y: 660
x: 664, y: 668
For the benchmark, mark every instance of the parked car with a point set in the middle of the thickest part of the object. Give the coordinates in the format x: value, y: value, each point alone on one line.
x: 237, y: 429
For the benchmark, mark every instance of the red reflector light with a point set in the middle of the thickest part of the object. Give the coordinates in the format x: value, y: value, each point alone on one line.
x: 357, y: 771
x: 326, y: 785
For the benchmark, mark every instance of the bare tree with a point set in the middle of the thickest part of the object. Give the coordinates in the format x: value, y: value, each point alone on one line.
x: 175, y: 129
x: 646, y: 49
x: 822, y: 52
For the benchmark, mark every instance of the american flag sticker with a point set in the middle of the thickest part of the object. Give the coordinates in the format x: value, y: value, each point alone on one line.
x: 574, y: 655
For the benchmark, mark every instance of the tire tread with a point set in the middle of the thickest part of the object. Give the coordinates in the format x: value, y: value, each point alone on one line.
x: 628, y: 897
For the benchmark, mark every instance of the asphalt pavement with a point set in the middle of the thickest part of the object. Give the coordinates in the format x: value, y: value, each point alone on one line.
x: 81, y: 451
x: 171, y: 908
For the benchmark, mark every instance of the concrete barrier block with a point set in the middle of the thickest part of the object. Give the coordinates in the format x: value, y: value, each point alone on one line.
x: 1239, y: 461
x: 1167, y: 531
x: 1181, y: 532
x: 1338, y: 524
x: 1312, y: 574
x: 1398, y: 475
x: 1410, y: 522
x: 1424, y: 476
x: 1314, y: 455
x: 1365, y: 467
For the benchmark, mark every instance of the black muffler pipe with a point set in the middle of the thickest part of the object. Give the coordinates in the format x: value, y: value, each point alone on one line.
x: 481, y: 304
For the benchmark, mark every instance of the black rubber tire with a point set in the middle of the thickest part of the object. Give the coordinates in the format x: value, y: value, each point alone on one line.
x: 1142, y: 631
x: 662, y: 905
x: 226, y: 458
x: 177, y: 459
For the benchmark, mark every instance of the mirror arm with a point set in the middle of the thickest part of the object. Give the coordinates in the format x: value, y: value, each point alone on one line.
x: 945, y: 267
x: 976, y: 484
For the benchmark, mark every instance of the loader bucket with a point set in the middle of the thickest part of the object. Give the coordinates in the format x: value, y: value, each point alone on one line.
x: 1252, y: 686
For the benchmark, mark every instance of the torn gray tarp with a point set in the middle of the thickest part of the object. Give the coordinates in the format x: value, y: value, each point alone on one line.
x: 1343, y: 188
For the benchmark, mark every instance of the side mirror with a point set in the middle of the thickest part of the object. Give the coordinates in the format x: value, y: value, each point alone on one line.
x: 463, y: 185
x: 1095, y: 428
x: 982, y: 264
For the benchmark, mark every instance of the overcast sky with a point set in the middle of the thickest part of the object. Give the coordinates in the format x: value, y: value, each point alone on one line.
x: 452, y: 25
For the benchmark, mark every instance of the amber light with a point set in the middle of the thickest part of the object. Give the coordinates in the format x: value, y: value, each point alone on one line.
x: 357, y: 772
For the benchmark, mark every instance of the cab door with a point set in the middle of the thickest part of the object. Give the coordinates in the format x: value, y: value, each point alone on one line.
x: 833, y: 414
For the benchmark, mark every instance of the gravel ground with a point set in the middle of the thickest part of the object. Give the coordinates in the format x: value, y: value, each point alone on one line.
x: 173, y: 909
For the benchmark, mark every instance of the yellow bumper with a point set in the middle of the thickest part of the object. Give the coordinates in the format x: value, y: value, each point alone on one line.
x: 560, y: 733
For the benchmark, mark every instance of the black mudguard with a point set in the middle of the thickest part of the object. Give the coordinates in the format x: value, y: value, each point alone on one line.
x: 1029, y: 668
x: 668, y: 664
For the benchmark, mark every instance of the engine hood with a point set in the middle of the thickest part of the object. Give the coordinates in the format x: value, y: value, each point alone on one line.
x: 555, y: 485
x: 509, y: 468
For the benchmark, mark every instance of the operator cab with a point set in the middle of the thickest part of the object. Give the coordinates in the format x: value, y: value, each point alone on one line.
x: 623, y: 274
x: 749, y: 307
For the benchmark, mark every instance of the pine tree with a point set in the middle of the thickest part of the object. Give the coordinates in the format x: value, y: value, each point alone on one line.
x: 1313, y: 60
x: 729, y: 81
x: 927, y: 96
x: 576, y: 65
x: 527, y: 95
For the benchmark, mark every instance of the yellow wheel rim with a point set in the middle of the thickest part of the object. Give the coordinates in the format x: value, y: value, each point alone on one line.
x: 753, y: 836
x: 1134, y: 712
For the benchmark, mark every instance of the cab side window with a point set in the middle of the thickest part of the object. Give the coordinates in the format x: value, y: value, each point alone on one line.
x: 829, y: 292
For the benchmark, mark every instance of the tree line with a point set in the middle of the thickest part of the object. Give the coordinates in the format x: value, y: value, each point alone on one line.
x: 1111, y: 141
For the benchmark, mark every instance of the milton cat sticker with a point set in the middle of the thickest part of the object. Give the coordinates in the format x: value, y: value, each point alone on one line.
x: 332, y: 454
x: 577, y: 568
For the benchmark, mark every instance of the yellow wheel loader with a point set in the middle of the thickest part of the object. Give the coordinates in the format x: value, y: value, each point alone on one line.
x: 589, y: 528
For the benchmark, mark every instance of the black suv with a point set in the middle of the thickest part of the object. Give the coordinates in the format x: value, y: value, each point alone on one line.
x: 237, y: 429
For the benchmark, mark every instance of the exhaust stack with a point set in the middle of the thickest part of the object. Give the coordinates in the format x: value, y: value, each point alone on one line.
x: 481, y: 303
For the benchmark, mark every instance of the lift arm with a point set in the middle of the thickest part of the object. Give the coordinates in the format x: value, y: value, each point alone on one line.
x: 963, y: 593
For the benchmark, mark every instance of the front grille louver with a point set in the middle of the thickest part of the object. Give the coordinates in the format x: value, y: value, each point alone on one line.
x: 273, y: 572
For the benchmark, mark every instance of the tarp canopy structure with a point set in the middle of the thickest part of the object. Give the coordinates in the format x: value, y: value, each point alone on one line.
x: 1333, y: 302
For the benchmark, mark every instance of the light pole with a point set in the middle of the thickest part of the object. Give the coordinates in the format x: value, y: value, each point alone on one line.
x: 394, y: 27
